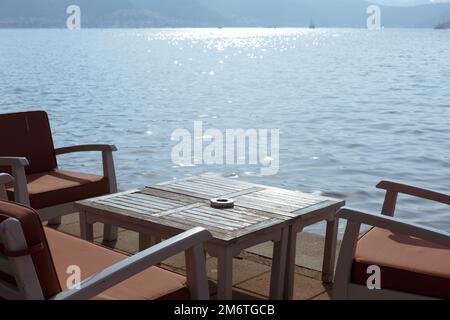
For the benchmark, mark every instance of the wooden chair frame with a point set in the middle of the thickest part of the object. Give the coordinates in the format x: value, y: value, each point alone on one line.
x: 28, y: 286
x: 53, y: 214
x: 343, y: 287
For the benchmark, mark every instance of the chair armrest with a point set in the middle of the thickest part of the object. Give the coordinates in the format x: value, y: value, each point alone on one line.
x: 18, y: 165
x: 414, y: 191
x: 5, y: 178
x: 129, y: 267
x: 107, y: 158
x: 397, y: 226
x: 13, y: 161
x: 86, y: 148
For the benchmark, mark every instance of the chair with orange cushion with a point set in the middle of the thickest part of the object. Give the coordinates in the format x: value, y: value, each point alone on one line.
x: 27, y: 152
x: 38, y: 263
x: 395, y: 259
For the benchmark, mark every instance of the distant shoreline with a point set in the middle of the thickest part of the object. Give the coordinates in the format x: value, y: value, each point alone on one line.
x: 218, y: 28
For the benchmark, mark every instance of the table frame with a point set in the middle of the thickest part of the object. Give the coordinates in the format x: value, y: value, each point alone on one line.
x: 297, y: 226
x: 282, y: 234
x: 224, y: 253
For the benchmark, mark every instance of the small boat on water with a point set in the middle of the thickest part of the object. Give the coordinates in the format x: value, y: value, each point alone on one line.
x: 312, y: 25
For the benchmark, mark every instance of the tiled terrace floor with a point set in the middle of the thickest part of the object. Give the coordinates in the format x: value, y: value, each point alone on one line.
x: 251, y: 271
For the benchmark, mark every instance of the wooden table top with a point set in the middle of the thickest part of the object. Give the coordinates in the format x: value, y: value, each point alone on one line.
x: 184, y: 204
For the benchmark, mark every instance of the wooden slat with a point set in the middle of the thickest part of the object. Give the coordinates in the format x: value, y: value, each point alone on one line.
x: 174, y: 219
x: 236, y: 215
x: 117, y: 206
x: 199, y: 212
x: 227, y: 181
x: 197, y: 189
x: 184, y: 204
x: 186, y: 192
x: 192, y: 217
x: 187, y: 207
x: 169, y: 195
x: 131, y: 204
x: 153, y: 199
x: 242, y: 192
x: 208, y: 184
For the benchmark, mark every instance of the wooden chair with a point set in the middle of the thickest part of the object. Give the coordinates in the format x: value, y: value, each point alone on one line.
x: 27, y: 152
x: 39, y: 263
x: 413, y: 261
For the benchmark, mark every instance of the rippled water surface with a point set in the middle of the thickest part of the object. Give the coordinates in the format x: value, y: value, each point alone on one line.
x: 353, y: 106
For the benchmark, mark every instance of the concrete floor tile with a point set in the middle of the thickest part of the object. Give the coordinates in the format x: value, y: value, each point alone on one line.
x: 243, y: 270
x: 177, y: 261
x: 304, y: 287
x: 323, y: 296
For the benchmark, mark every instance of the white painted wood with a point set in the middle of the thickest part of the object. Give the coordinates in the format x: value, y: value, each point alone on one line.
x: 109, y: 231
x: 20, y: 185
x: 3, y: 194
x: 196, y: 273
x: 5, y: 265
x: 225, y: 274
x: 397, y: 225
x: 345, y: 261
x: 13, y: 239
x: 55, y: 221
x: 86, y: 227
x: 50, y: 213
x: 329, y: 257
x: 9, y: 292
x: 4, y: 180
x: 147, y: 241
x: 343, y: 288
x: 13, y: 161
x: 17, y: 165
x: 279, y: 265
x: 288, y: 289
x: 125, y: 269
x: 53, y: 214
x: 259, y: 214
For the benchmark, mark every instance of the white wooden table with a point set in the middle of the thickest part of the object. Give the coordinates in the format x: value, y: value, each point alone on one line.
x: 261, y: 214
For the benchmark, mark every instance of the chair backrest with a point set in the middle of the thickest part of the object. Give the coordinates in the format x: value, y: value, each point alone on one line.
x: 27, y: 270
x: 28, y: 134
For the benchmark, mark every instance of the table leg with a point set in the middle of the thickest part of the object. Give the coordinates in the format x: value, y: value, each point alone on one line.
x: 55, y: 221
x: 279, y: 265
x: 225, y: 275
x: 109, y: 232
x: 86, y: 228
x: 288, y: 292
x: 329, y: 258
x: 146, y: 241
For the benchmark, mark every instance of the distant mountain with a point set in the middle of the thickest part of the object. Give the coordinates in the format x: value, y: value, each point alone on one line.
x: 215, y: 13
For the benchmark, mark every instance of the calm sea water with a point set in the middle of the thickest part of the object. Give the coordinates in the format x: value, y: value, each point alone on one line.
x: 353, y: 106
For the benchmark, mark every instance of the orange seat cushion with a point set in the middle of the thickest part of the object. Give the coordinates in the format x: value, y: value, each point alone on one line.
x: 34, y: 235
x: 152, y: 284
x: 407, y: 264
x: 28, y: 134
x: 56, y: 187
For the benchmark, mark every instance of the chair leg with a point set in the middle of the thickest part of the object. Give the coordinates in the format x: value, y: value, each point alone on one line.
x: 329, y: 258
x: 109, y: 233
x: 55, y: 221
